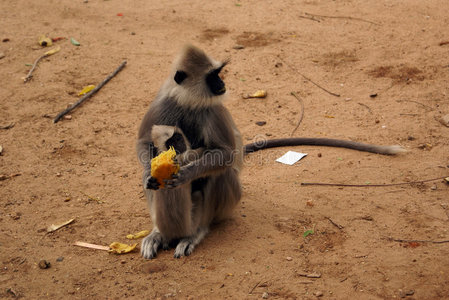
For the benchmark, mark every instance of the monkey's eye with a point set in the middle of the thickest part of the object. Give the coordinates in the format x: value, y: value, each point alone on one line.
x: 180, y: 76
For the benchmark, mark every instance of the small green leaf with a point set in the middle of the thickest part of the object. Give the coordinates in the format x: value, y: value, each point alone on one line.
x: 74, y: 42
x: 308, y: 232
x: 367, y: 182
x: 339, y: 158
x: 238, y: 4
x: 29, y: 65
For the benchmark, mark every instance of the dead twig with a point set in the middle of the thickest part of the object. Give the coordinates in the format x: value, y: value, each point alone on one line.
x: 423, y: 105
x: 418, y: 241
x: 310, y: 18
x: 444, y: 43
x: 341, y: 17
x: 9, y: 126
x: 5, y: 177
x: 366, y: 106
x: 302, y: 111
x: 252, y: 290
x: 90, y: 94
x: 372, y: 185
x: 307, y: 78
x: 30, y: 73
x: 335, y: 224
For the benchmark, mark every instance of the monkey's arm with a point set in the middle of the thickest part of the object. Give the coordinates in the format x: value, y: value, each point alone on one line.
x: 189, y: 156
x: 211, y: 162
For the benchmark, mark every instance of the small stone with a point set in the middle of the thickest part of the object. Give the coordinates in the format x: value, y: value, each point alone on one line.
x: 59, y: 259
x: 373, y: 95
x: 319, y: 154
x: 410, y: 292
x: 278, y: 65
x: 265, y: 295
x: 43, y: 264
x: 445, y: 120
x: 411, y: 138
x: 238, y: 47
x: 289, y: 258
x: 67, y: 117
x: 5, y: 40
x: 133, y: 33
x: 2, y: 55
x: 261, y: 123
x: 318, y: 294
x: 433, y: 188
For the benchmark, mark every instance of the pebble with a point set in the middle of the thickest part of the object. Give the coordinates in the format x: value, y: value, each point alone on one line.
x: 67, y: 117
x: 61, y: 258
x: 43, y: 264
x: 238, y: 47
x: 2, y: 55
x: 289, y: 258
x: 265, y: 295
x: 319, y: 293
x: 261, y: 123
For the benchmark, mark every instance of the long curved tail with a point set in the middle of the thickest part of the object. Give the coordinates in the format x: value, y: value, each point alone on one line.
x: 387, y: 150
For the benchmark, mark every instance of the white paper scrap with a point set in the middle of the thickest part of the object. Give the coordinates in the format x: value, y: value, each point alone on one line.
x: 291, y: 157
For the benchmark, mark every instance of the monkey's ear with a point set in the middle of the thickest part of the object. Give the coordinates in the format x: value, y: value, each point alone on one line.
x: 180, y: 76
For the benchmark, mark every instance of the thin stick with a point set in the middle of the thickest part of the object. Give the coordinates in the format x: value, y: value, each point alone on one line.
x: 423, y: 105
x: 341, y: 17
x: 90, y: 94
x: 364, y: 105
x: 335, y: 224
x: 308, y: 79
x: 92, y: 246
x: 257, y: 284
x: 30, y: 73
x: 372, y: 185
x: 418, y: 241
x: 302, y: 111
x: 310, y: 18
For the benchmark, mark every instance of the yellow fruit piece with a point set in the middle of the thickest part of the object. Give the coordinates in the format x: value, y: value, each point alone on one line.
x: 163, y: 166
x: 53, y: 51
x: 119, y: 248
x: 86, y: 89
x: 138, y: 235
x: 259, y: 94
x: 45, y: 41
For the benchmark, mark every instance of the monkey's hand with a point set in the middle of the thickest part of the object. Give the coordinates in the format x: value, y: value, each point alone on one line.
x: 151, y: 183
x: 183, y: 176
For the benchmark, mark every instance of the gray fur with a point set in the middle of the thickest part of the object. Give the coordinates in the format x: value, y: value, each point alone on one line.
x: 205, y: 189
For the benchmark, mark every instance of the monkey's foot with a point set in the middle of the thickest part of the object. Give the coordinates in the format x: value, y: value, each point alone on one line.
x: 150, y: 244
x: 186, y: 245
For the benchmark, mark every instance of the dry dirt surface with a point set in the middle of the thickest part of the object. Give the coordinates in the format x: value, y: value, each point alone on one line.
x: 387, y: 60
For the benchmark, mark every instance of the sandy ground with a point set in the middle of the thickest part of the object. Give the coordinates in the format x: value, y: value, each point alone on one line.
x: 86, y: 168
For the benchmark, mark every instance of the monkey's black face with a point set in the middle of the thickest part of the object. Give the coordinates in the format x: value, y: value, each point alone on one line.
x: 214, y: 82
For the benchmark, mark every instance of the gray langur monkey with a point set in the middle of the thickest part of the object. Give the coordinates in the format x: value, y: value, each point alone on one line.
x: 188, y: 114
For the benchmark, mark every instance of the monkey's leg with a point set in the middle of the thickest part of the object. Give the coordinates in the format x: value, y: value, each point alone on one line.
x: 151, y: 243
x: 186, y: 245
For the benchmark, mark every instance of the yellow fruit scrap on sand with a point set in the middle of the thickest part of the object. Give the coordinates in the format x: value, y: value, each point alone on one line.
x: 163, y: 166
x: 259, y: 94
x: 86, y: 89
x: 45, y: 41
x: 138, y: 235
x: 53, y: 51
x: 119, y: 248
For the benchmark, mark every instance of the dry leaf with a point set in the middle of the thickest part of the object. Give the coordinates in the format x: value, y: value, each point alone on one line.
x: 86, y: 89
x: 54, y: 227
x: 53, y: 51
x: 138, y: 235
x: 120, y: 248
